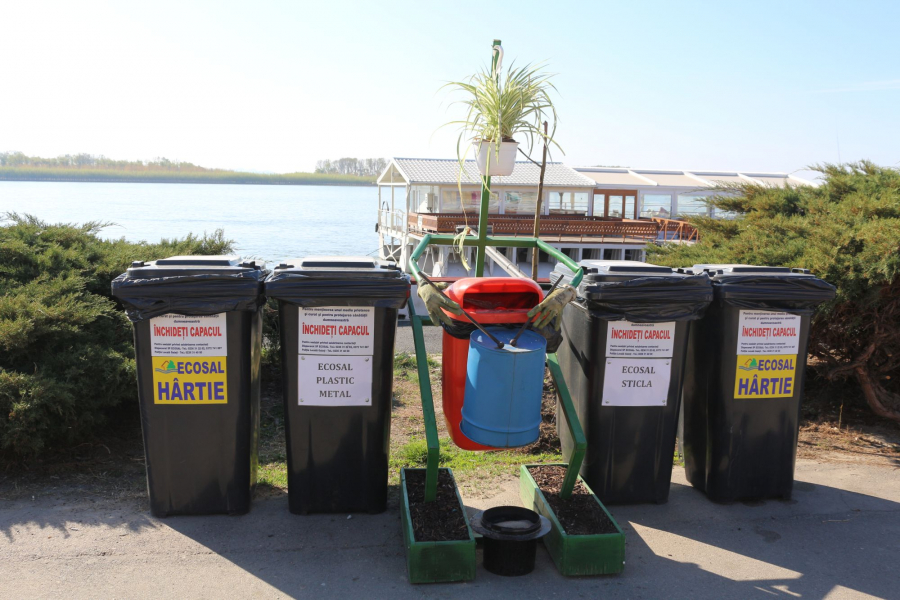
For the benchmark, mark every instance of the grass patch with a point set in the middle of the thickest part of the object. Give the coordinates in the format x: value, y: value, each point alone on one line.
x: 406, y: 367
x: 464, y: 462
x: 273, y: 474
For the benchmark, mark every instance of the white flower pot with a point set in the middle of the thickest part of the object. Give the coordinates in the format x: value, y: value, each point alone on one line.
x: 489, y: 163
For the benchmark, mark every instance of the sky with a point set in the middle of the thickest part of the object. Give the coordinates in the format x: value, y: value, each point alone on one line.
x: 276, y: 86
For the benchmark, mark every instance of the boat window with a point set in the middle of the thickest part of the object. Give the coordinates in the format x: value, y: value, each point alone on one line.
x: 471, y: 201
x: 520, y: 203
x: 629, y: 207
x: 599, y: 205
x: 692, y: 205
x: 615, y: 207
x: 719, y: 213
x: 423, y: 198
x: 568, y: 203
x: 656, y: 205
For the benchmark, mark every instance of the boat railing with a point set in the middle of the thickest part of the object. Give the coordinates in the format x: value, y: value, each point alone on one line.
x: 671, y: 230
x: 578, y: 226
x: 388, y: 219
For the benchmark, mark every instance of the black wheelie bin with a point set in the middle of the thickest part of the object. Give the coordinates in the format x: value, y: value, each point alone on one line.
x: 743, y: 383
x: 622, y: 355
x: 197, y: 339
x: 338, y: 321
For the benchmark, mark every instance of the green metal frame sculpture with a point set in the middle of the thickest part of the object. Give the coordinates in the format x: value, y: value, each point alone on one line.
x: 565, y: 399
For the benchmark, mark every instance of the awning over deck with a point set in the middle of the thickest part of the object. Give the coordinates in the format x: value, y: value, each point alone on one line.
x: 621, y: 177
x: 445, y: 171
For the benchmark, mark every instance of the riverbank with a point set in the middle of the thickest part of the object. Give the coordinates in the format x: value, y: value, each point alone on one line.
x: 168, y: 176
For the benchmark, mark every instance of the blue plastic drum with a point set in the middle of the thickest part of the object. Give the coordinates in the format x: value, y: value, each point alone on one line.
x: 502, y: 405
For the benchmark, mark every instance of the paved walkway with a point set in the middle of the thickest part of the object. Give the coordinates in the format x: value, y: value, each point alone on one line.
x: 433, y: 339
x: 838, y: 538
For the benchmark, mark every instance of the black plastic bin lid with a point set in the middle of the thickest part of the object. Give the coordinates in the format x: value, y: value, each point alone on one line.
x: 190, y: 265
x: 639, y: 292
x: 190, y: 285
x: 767, y: 288
x: 339, y: 281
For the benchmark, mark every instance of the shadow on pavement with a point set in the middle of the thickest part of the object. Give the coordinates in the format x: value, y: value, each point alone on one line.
x: 822, y: 540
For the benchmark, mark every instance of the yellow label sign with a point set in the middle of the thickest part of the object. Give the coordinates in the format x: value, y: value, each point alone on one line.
x: 765, y: 376
x: 189, y: 380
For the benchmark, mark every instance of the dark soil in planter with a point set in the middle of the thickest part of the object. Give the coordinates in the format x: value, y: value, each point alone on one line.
x: 580, y: 514
x: 549, y: 440
x: 443, y: 520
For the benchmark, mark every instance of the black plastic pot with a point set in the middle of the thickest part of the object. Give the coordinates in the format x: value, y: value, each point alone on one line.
x: 510, y: 538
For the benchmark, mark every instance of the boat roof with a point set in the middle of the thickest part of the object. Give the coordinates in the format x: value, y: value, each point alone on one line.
x: 619, y: 177
x: 445, y: 171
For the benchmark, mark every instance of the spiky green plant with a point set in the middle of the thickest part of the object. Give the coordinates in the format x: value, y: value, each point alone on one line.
x: 498, y: 107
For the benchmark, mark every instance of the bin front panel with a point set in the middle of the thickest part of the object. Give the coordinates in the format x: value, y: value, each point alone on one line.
x: 623, y: 358
x: 201, y: 457
x: 337, y: 447
x: 740, y: 440
x: 630, y: 449
x: 744, y: 387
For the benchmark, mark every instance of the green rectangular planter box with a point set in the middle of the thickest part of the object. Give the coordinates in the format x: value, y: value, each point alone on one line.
x: 435, y: 562
x: 599, y: 554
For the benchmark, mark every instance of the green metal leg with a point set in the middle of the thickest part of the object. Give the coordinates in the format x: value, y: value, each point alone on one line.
x: 431, y: 433
x: 565, y: 401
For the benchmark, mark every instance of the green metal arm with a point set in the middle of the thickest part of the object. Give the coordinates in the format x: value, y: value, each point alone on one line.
x: 505, y: 242
x: 431, y: 432
x: 568, y: 408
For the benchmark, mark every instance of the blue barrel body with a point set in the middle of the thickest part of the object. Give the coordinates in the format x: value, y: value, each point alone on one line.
x: 502, y: 405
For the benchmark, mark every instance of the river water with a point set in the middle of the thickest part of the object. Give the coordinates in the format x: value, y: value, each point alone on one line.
x: 268, y: 222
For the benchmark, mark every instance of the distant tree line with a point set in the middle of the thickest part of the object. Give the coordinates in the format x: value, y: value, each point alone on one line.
x: 363, y: 167
x: 16, y: 166
x: 89, y: 161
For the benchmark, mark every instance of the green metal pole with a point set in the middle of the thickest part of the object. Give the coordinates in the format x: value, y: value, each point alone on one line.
x: 575, y: 430
x: 480, y: 248
x: 431, y: 433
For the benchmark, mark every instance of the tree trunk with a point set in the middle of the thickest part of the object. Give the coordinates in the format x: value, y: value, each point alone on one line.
x: 536, y: 252
x: 883, y: 403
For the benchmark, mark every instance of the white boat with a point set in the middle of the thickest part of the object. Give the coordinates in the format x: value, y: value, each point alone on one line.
x: 599, y: 213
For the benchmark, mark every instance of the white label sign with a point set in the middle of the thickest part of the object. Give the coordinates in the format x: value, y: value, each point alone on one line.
x: 183, y: 335
x: 636, y: 381
x: 337, y: 330
x: 335, y: 380
x: 645, y: 340
x: 766, y: 332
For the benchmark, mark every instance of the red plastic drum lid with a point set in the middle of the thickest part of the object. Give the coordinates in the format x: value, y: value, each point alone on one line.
x: 495, y: 299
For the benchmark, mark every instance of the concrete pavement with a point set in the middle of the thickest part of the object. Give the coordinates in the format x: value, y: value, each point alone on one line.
x: 433, y: 339
x: 838, y: 538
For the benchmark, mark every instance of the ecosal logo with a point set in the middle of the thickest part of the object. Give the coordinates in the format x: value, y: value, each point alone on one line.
x: 750, y: 365
x: 772, y: 364
x: 167, y: 366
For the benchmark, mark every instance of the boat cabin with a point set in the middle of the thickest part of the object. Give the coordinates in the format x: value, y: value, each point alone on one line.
x: 599, y: 213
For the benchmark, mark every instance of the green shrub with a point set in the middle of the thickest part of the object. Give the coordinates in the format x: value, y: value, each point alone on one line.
x: 66, y: 353
x: 847, y: 231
